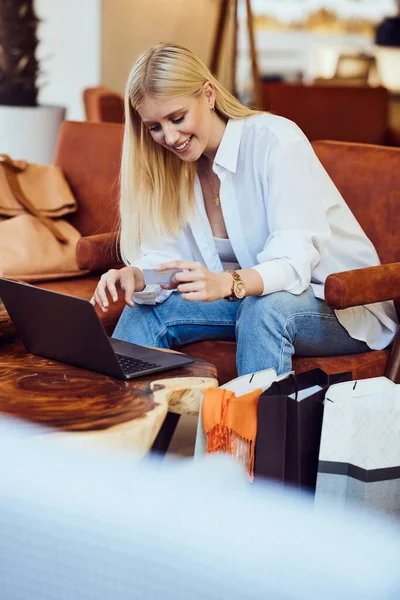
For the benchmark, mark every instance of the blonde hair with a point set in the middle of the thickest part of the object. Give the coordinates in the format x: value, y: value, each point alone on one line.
x: 157, y: 187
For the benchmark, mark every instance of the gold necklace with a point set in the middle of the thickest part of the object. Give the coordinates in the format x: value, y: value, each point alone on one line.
x: 216, y: 194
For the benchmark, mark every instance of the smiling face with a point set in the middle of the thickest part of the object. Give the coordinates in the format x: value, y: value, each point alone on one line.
x: 187, y: 125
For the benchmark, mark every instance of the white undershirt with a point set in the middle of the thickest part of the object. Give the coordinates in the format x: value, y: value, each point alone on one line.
x: 226, y: 254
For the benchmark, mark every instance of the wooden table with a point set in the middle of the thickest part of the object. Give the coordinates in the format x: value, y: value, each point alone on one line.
x: 86, y: 407
x: 7, y: 330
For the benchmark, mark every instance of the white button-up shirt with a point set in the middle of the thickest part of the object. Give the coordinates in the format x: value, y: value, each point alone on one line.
x: 284, y: 217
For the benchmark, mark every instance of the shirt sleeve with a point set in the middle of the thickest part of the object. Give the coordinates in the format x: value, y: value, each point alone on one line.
x: 165, y: 250
x: 294, y: 181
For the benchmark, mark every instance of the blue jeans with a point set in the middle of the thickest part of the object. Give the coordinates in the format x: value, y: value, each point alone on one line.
x: 268, y: 330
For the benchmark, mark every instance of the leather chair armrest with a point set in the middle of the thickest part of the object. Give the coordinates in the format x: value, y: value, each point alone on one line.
x: 393, y: 367
x: 98, y: 252
x: 393, y: 136
x: 363, y: 286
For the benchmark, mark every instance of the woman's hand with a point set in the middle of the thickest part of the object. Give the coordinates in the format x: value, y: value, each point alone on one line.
x: 196, y: 283
x: 127, y: 279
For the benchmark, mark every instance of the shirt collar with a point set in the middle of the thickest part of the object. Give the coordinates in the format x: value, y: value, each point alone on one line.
x: 228, y: 150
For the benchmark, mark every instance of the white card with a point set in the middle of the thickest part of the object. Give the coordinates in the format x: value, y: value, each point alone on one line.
x: 154, y: 277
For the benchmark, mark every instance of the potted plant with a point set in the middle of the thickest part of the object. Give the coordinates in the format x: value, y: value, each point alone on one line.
x: 28, y: 131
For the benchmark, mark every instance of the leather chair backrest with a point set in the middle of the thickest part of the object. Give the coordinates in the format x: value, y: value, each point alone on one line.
x: 90, y: 157
x: 103, y: 105
x: 368, y: 178
x: 348, y: 114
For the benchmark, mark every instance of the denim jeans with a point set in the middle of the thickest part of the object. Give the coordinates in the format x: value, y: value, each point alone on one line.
x: 268, y: 330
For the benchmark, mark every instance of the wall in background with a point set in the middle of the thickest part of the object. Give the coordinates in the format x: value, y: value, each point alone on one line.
x: 88, y: 42
x: 69, y: 51
x: 131, y: 26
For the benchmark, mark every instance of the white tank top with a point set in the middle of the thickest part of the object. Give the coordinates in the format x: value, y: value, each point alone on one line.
x: 226, y: 254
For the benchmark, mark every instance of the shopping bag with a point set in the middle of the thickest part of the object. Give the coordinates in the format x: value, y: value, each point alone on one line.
x: 289, y: 427
x: 239, y: 386
x: 36, y: 242
x: 359, y: 458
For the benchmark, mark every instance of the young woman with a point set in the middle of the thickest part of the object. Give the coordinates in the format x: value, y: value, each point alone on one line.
x: 238, y: 202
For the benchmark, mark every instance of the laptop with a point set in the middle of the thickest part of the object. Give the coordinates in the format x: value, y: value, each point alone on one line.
x: 67, y: 329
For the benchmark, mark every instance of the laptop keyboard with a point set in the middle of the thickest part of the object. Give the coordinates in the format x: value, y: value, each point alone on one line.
x: 134, y: 365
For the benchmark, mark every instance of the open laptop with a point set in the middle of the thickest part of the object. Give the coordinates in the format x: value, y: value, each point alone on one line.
x: 67, y: 329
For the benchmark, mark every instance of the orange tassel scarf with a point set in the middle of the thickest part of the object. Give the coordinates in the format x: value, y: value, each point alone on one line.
x: 230, y: 424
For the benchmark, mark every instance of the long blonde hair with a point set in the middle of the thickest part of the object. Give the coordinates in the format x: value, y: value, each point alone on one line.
x: 157, y: 187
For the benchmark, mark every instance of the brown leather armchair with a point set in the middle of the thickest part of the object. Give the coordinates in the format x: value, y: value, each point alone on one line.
x: 341, y: 113
x: 103, y: 105
x: 89, y: 155
x: 368, y: 177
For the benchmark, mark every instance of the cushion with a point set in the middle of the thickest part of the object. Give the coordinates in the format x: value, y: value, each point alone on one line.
x: 223, y: 355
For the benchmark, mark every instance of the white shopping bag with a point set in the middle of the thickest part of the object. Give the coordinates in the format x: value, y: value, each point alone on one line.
x: 359, y: 457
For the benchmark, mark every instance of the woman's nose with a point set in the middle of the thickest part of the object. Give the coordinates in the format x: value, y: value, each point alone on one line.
x: 171, y: 136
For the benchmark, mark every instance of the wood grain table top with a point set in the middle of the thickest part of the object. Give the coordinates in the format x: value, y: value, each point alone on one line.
x: 75, y: 400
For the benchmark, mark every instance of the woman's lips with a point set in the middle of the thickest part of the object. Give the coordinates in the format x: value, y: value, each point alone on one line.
x: 183, y: 147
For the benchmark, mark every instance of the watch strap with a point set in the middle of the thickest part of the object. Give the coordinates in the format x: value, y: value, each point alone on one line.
x: 236, y: 279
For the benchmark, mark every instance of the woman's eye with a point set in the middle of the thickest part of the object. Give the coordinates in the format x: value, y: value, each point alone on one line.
x: 155, y: 128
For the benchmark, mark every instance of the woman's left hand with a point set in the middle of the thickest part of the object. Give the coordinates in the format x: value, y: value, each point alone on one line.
x: 195, y: 282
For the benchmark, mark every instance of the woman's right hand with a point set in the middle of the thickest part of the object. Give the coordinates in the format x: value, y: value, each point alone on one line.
x: 127, y: 279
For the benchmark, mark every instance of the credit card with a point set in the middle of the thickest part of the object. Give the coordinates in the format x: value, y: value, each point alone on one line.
x: 154, y: 277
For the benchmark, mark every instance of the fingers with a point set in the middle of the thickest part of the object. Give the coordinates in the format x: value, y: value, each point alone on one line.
x: 173, y: 284
x: 100, y: 294
x: 179, y: 264
x: 108, y: 285
x: 111, y: 279
x: 183, y: 277
x: 193, y: 286
x: 195, y: 297
x: 190, y: 280
x: 195, y: 291
x: 127, y: 283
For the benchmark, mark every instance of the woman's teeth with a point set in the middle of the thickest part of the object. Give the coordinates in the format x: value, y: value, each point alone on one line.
x: 183, y: 146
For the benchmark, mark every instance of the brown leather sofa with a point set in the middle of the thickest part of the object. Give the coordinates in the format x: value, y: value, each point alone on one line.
x: 89, y: 155
x: 367, y: 176
x: 323, y: 112
x: 341, y: 113
x: 103, y: 105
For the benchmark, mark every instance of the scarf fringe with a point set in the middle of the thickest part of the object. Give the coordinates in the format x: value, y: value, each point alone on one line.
x: 222, y: 439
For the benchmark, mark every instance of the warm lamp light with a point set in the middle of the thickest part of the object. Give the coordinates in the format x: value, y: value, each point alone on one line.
x: 387, y: 51
x: 325, y: 62
x: 388, y: 65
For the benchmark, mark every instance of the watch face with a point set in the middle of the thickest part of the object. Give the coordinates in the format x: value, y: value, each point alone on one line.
x: 239, y: 289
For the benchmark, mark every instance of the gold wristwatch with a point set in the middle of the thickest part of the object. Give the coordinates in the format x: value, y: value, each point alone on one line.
x: 238, y: 288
